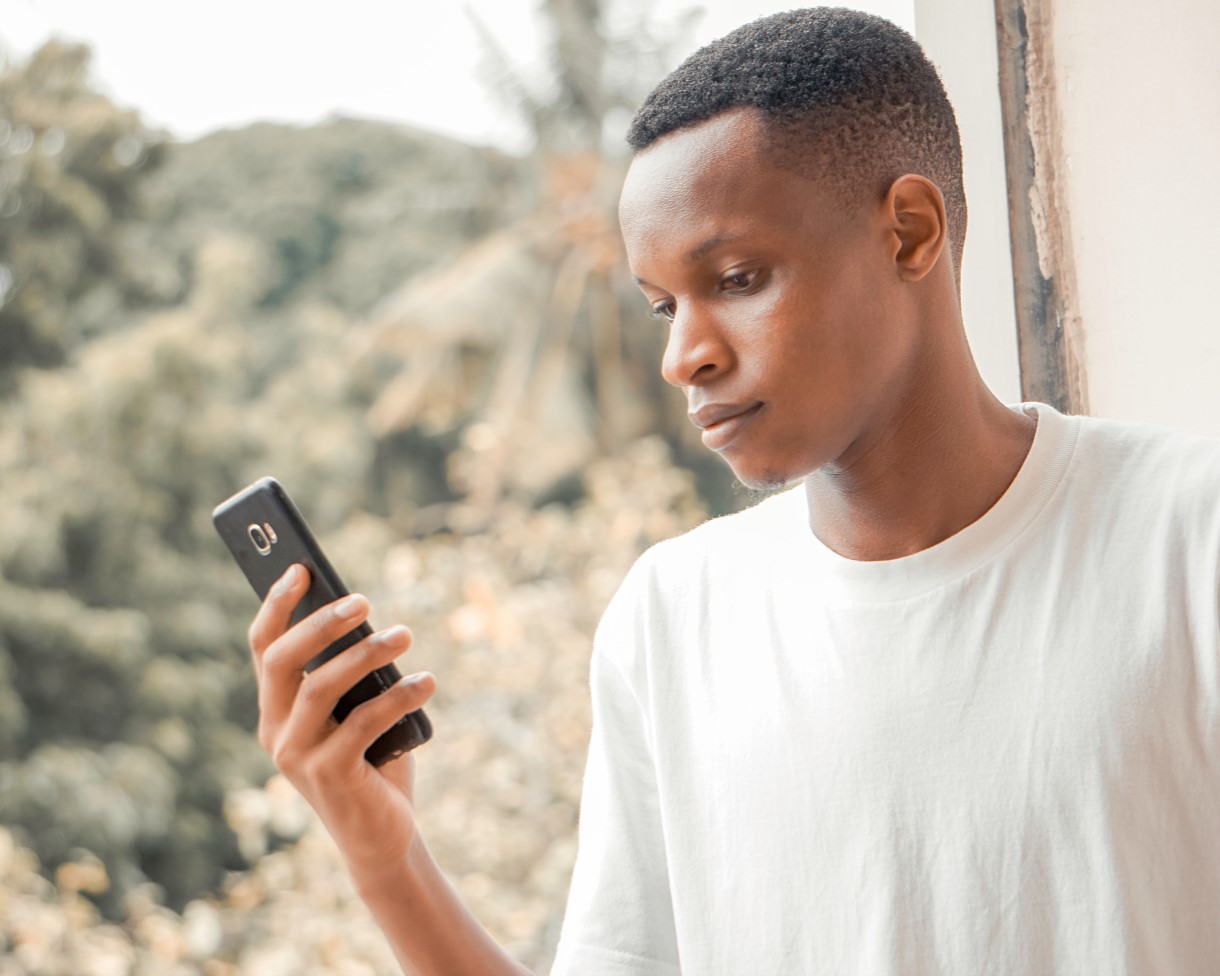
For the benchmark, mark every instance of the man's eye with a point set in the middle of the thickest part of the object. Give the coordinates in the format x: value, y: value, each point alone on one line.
x: 743, y: 279
x: 663, y: 310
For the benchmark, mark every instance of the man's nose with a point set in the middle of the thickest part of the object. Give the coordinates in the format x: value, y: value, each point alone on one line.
x: 695, y: 352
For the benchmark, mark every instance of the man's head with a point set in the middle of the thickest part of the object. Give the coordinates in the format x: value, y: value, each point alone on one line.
x: 849, y: 99
x: 796, y: 239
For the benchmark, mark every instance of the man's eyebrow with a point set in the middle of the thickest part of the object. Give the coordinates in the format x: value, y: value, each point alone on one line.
x: 712, y: 242
x: 699, y: 250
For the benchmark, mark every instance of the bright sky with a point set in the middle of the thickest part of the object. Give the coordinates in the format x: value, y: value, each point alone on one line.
x: 193, y: 68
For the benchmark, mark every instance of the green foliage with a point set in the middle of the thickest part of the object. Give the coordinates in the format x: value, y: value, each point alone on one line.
x: 345, y: 210
x: 117, y: 616
x: 70, y: 162
x: 302, y: 252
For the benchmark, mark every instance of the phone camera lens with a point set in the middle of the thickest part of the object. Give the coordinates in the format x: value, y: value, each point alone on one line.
x: 259, y: 538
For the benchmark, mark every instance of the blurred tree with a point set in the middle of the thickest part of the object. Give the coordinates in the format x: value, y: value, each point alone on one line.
x: 176, y: 320
x: 70, y: 164
x: 532, y: 345
x: 134, y: 705
x: 345, y: 209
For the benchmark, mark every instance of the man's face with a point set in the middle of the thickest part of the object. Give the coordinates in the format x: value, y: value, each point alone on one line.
x: 782, y: 328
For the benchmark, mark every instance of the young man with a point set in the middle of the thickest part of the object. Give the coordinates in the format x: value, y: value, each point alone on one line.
x: 951, y: 705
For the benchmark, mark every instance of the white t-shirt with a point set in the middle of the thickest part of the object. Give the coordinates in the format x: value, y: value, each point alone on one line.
x: 1000, y: 755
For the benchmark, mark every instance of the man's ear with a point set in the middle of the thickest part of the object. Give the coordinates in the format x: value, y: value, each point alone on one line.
x: 915, y: 211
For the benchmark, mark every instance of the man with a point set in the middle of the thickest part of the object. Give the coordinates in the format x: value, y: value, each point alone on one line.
x: 951, y: 705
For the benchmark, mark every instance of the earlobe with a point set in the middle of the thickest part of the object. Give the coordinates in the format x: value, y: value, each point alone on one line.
x: 916, y: 212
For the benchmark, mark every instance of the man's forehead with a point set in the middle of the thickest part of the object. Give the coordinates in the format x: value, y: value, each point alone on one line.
x: 740, y: 127
x: 687, y: 160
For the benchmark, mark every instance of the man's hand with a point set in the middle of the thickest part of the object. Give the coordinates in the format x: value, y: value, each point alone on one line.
x: 368, y: 810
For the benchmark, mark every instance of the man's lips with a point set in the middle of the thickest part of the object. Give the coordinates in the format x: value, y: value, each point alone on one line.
x: 712, y: 414
x: 722, y: 423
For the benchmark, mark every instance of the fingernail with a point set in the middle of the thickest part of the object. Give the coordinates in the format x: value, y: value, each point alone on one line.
x: 393, y: 636
x: 349, y: 606
x: 289, y: 579
x: 417, y: 678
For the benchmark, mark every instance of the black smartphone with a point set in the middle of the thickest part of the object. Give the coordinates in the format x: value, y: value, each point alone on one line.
x: 267, y: 534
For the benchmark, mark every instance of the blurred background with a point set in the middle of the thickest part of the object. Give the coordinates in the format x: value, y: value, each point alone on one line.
x: 377, y: 257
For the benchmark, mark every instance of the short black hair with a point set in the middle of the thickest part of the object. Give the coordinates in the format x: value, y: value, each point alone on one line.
x: 848, y: 98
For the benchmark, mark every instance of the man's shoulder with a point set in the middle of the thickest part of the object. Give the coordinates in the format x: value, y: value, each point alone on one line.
x: 1144, y: 478
x: 1111, y: 430
x: 1144, y: 453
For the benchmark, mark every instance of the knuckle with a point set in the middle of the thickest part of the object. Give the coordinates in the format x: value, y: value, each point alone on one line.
x: 254, y: 636
x: 315, y: 769
x: 277, y: 757
x: 365, y: 720
x: 314, y: 690
x: 273, y: 663
x: 285, y: 759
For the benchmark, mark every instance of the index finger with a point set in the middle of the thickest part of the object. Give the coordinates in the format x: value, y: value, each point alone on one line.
x: 275, y: 615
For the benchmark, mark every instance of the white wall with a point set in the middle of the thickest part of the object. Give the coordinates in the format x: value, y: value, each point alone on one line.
x: 1139, y: 91
x: 1138, y: 87
x: 959, y: 37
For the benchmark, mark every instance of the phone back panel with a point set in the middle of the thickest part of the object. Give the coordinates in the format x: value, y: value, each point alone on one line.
x: 266, y: 505
x: 266, y: 534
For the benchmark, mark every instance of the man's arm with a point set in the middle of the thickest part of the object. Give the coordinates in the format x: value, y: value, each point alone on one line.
x: 430, y: 928
x: 368, y: 811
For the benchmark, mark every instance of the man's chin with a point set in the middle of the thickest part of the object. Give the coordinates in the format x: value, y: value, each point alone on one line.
x: 762, y: 484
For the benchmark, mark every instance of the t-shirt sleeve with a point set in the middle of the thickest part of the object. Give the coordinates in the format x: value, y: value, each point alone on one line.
x: 619, y: 919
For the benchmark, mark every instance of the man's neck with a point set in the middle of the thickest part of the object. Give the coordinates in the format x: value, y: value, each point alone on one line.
x: 931, y: 471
